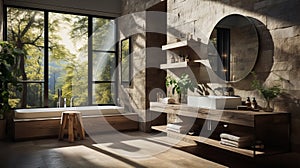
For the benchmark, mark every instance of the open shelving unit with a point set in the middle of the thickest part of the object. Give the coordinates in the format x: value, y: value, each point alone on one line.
x: 184, y: 46
x: 208, y: 141
x: 270, y: 127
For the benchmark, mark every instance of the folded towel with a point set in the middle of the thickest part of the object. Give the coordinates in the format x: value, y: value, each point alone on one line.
x: 229, y: 144
x: 237, y: 138
x: 236, y: 144
x: 168, y: 100
x: 177, y: 128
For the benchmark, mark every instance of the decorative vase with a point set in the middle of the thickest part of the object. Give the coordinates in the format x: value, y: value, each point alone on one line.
x: 268, y: 107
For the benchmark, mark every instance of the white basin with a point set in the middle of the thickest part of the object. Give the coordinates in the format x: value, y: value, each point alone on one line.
x: 214, y: 102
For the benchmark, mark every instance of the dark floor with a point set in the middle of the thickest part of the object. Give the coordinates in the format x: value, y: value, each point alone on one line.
x: 134, y: 149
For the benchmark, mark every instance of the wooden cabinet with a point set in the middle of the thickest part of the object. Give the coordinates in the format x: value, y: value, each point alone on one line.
x: 270, y: 128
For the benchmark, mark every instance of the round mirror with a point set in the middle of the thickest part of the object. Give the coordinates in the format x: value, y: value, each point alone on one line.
x: 233, y: 47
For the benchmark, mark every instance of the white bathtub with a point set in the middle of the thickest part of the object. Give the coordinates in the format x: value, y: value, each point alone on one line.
x: 56, y: 112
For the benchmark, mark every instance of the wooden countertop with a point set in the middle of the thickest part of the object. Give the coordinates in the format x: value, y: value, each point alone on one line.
x: 240, y: 117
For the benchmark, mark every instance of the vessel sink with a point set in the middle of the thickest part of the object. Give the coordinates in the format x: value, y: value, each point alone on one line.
x: 214, y: 102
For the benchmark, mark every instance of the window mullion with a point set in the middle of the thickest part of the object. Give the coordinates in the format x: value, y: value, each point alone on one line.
x: 46, y: 58
x: 90, y: 60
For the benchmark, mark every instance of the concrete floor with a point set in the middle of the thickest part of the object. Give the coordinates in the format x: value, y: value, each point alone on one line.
x: 133, y: 149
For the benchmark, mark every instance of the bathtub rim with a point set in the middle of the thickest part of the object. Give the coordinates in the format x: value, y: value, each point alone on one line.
x: 34, y: 113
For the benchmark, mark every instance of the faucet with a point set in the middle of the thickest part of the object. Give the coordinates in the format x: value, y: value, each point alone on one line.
x: 59, y: 94
x: 65, y: 102
x: 72, y: 101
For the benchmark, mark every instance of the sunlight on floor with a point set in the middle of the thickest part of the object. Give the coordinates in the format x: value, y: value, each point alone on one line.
x: 134, y: 149
x: 85, y: 154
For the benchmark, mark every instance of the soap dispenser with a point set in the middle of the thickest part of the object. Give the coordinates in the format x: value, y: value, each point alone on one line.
x: 254, y: 104
x: 248, y: 103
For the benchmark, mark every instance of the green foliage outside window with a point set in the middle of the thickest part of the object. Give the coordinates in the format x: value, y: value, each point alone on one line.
x: 68, y: 69
x: 8, y: 75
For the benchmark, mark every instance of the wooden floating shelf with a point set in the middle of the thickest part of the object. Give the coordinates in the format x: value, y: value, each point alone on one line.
x: 184, y: 43
x: 178, y: 65
x: 208, y: 141
x: 174, y: 65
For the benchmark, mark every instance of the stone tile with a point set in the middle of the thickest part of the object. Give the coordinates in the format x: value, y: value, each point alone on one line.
x: 286, y: 32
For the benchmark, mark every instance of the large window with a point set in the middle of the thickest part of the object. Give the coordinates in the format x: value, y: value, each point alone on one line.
x: 59, y: 56
x: 27, y: 32
x: 68, y: 58
x: 104, y: 61
x: 126, y: 61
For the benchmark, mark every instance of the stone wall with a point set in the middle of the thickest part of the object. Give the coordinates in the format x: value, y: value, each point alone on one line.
x: 278, y: 28
x: 134, y: 24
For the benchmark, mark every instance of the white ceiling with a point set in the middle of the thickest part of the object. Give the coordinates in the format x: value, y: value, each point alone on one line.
x: 110, y: 8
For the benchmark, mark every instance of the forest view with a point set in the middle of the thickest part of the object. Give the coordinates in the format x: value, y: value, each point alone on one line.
x: 67, y: 64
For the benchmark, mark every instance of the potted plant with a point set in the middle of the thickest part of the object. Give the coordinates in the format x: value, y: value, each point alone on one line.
x: 269, y: 93
x: 181, y: 86
x: 8, y: 78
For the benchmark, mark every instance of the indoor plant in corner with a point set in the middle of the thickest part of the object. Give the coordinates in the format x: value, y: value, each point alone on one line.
x: 269, y: 93
x: 8, y: 79
x: 181, y: 86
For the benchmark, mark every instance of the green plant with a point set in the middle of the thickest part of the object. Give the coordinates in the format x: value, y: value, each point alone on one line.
x: 268, y: 93
x: 181, y: 85
x: 8, y: 75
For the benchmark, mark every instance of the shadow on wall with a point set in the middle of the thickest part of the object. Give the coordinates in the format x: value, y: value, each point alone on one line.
x: 283, y: 10
x: 265, y: 57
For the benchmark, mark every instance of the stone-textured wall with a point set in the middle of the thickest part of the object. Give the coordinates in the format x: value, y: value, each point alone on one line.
x: 136, y: 92
x: 134, y: 16
x: 131, y: 6
x: 279, y: 33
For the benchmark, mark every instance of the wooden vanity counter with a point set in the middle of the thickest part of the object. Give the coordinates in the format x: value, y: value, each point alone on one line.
x: 239, y: 117
x: 273, y: 128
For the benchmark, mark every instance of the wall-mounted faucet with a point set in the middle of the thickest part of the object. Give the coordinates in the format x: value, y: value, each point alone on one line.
x: 65, y: 102
x: 72, y: 101
x: 59, y: 95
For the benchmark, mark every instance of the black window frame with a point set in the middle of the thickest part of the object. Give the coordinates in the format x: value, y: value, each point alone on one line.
x: 126, y: 83
x: 45, y: 82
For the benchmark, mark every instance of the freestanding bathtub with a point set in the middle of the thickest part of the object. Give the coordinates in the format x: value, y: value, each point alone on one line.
x: 45, y: 122
x: 56, y: 112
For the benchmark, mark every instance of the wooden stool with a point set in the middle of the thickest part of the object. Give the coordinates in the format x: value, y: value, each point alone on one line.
x: 73, y: 122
